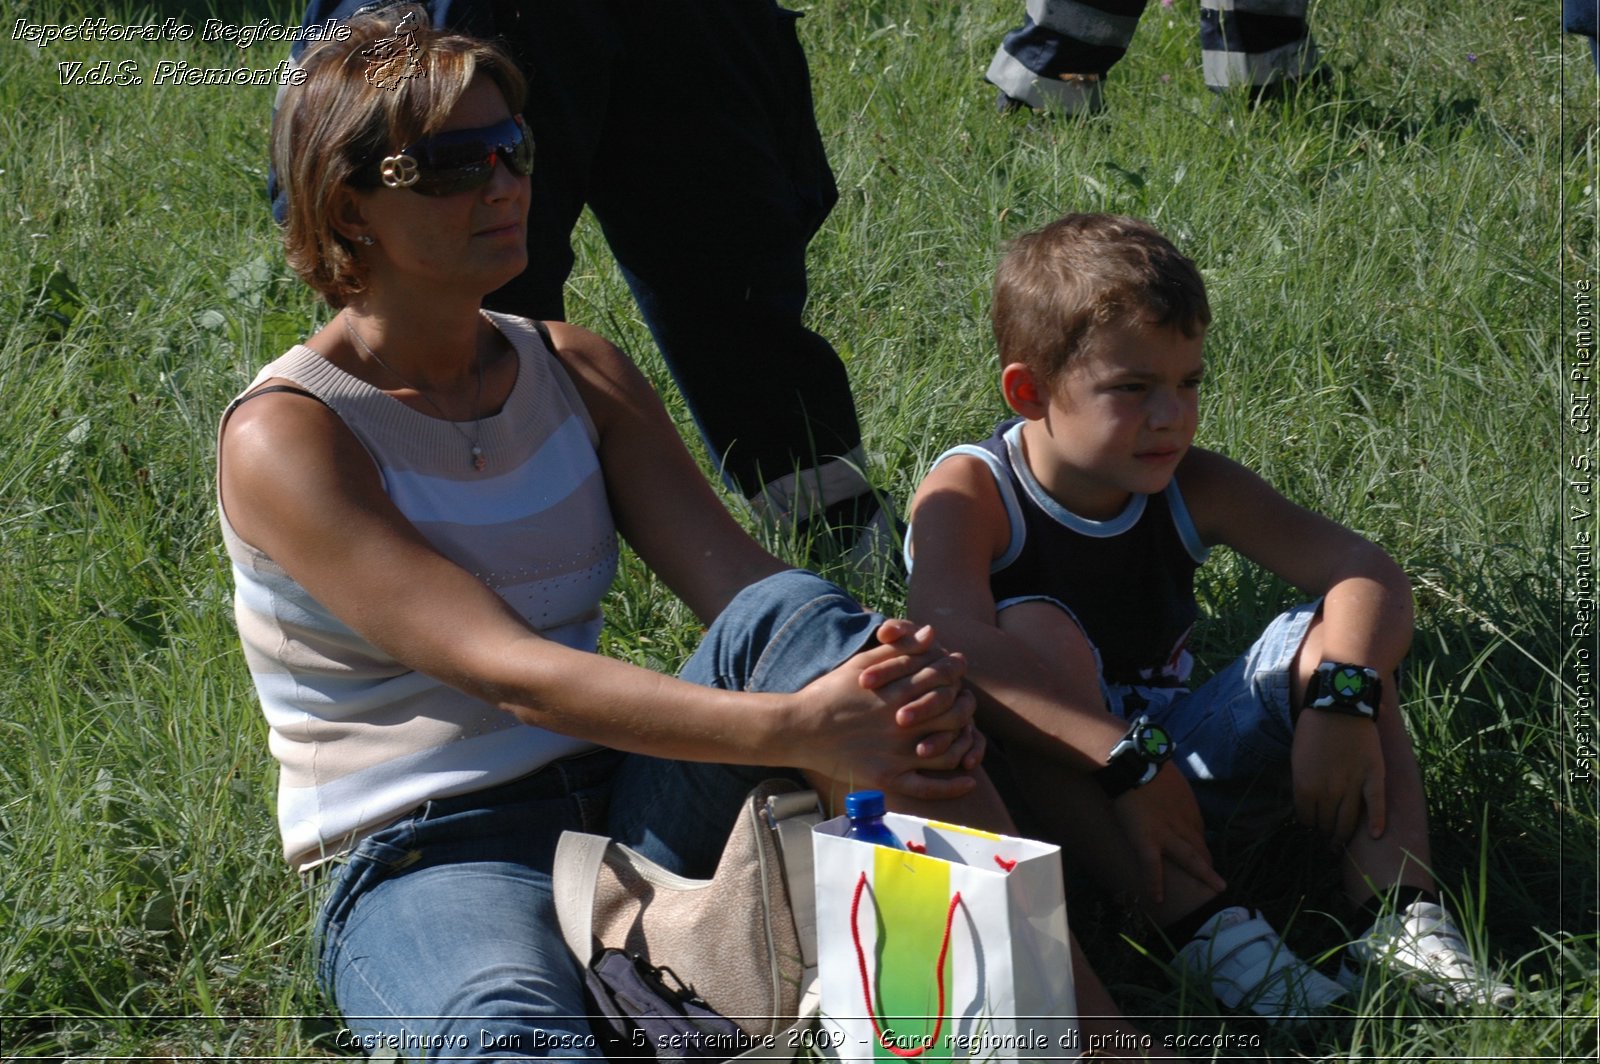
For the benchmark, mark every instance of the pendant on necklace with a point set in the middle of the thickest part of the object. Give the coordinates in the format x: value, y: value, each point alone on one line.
x: 478, y: 461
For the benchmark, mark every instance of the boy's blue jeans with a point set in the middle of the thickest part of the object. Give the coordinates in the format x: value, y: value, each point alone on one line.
x: 438, y: 935
x: 1234, y: 733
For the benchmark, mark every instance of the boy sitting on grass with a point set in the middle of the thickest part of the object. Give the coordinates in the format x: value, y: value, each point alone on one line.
x: 1060, y: 554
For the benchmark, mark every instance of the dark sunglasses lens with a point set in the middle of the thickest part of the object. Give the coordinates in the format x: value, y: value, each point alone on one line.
x: 464, y: 160
x: 519, y: 153
x: 462, y: 147
x: 456, y: 179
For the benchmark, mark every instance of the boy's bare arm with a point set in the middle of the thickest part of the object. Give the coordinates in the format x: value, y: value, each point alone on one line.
x: 1367, y: 605
x: 959, y: 526
x: 1039, y: 695
x: 1366, y: 618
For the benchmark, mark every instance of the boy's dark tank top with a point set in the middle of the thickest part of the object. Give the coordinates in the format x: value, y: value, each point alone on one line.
x: 1131, y: 590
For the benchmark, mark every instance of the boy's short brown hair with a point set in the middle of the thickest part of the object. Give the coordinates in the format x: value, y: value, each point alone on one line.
x: 1057, y: 284
x: 394, y: 80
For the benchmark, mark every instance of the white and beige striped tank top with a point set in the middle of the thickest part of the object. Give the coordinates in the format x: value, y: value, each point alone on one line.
x: 360, y: 738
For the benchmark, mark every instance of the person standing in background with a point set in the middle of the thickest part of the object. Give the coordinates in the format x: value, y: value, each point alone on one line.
x: 1058, y: 58
x: 686, y: 126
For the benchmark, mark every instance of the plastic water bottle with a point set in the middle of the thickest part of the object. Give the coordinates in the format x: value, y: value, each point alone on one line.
x: 865, y: 810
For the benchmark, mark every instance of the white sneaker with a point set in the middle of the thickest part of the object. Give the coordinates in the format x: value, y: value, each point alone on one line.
x: 878, y: 546
x: 1248, y: 965
x: 1422, y: 945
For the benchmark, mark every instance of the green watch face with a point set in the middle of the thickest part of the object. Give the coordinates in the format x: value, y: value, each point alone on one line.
x: 1349, y: 682
x: 1154, y: 742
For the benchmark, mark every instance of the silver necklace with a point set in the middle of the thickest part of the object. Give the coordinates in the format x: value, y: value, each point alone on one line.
x: 478, y: 461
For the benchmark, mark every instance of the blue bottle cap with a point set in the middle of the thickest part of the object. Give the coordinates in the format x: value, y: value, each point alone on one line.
x: 863, y: 804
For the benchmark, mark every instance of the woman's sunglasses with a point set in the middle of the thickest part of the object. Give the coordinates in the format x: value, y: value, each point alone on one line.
x: 458, y: 161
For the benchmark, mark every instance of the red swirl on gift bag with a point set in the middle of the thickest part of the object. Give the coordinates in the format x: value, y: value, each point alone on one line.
x: 866, y: 979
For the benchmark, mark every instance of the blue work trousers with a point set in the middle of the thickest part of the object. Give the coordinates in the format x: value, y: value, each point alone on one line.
x: 1242, y: 42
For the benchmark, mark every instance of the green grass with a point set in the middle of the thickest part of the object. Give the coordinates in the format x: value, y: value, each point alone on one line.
x: 1388, y: 263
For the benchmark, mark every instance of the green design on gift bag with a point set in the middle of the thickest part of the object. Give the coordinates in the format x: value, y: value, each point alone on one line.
x: 915, y: 911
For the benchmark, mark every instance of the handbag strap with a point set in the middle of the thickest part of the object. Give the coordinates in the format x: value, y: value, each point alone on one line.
x: 577, y: 869
x: 789, y: 815
x: 792, y: 816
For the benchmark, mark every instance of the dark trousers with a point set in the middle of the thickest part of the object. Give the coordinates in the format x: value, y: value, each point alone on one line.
x: 687, y: 127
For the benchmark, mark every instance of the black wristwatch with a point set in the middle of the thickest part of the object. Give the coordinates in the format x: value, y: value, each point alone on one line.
x: 1353, y: 690
x: 1136, y: 758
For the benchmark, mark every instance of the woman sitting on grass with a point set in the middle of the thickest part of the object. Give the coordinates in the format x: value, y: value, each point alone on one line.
x: 422, y: 503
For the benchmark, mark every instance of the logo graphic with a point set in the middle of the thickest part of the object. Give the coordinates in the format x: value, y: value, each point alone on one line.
x: 399, y: 171
x: 1348, y: 683
x: 391, y: 60
x: 1154, y: 743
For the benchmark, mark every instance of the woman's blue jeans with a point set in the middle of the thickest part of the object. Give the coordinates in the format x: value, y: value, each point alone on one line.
x: 438, y: 935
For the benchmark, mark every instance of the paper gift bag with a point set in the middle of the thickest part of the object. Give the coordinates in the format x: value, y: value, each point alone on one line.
x: 956, y: 950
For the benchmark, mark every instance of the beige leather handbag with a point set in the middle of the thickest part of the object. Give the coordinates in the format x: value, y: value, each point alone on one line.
x: 744, y: 940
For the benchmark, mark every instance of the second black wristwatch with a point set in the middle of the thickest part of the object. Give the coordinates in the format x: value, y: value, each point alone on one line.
x: 1354, y: 690
x: 1136, y: 758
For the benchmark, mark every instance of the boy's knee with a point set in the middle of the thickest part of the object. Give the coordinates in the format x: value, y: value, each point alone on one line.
x: 1033, y: 613
x: 1045, y: 622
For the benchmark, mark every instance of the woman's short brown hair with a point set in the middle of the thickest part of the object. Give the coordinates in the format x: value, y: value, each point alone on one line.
x: 1057, y: 284
x: 394, y: 80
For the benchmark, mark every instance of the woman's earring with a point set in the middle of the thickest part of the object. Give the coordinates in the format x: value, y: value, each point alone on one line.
x: 366, y: 239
